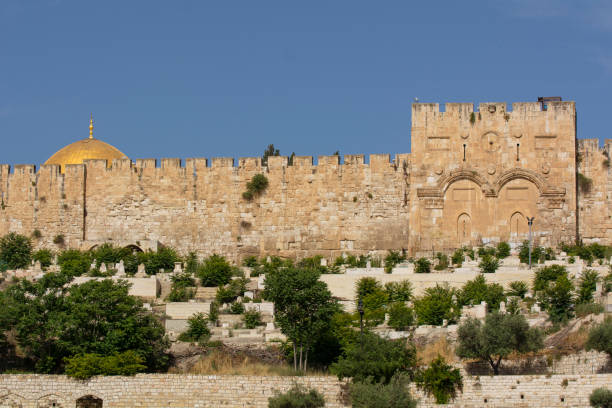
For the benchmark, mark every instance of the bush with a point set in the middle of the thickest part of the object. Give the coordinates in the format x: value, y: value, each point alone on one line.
x: 15, y: 251
x: 44, y: 256
x: 378, y: 359
x: 477, y: 290
x: 393, y: 258
x: 252, y: 319
x: 558, y: 300
x: 440, y: 380
x: 367, y: 286
x: 180, y: 294
x: 59, y: 240
x: 256, y: 186
x: 584, y: 183
x: 236, y: 308
x: 198, y: 330
x: 458, y: 257
x: 401, y: 317
x: 588, y: 284
x: 536, y: 253
x: 436, y: 305
x: 469, y: 252
x: 399, y: 291
x: 250, y: 261
x: 547, y: 274
x: 486, y: 251
x: 297, y: 397
x: 518, y: 288
x: 164, y: 259
x: 85, y: 366
x: 600, y: 337
x: 503, y: 250
x: 423, y: 265
x: 585, y: 309
x: 395, y: 394
x: 601, y: 398
x: 442, y: 262
x: 74, y: 262
x: 488, y: 264
x: 215, y: 271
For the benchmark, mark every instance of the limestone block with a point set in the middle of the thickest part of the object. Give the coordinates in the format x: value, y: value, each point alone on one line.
x: 184, y: 310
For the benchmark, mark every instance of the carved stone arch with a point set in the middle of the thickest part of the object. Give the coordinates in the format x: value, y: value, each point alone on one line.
x: 89, y: 401
x: 464, y: 228
x: 463, y: 174
x: 11, y: 400
x: 50, y: 401
x: 518, y: 226
x: 519, y: 173
x: 134, y: 248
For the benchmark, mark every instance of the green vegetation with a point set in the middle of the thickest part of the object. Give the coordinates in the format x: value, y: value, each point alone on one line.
x: 399, y: 291
x: 401, y: 317
x: 458, y: 257
x: 557, y: 298
x: 544, y: 276
x: 297, y: 397
x: 15, y: 251
x: 252, y: 319
x: 585, y: 184
x: 503, y: 250
x: 476, y: 291
x: 587, y: 286
x: 518, y: 288
x: 270, y: 151
x: 442, y: 262
x: 370, y: 394
x: 377, y: 359
x: 85, y: 366
x: 182, y: 288
x: 255, y: 187
x: 392, y: 259
x: 500, y: 335
x: 488, y: 264
x: 440, y: 380
x: 600, y: 337
x: 601, y: 398
x: 44, y: 256
x: 59, y: 239
x: 214, y: 271
x: 585, y: 309
x: 437, y: 305
x: 197, y: 330
x: 422, y: 265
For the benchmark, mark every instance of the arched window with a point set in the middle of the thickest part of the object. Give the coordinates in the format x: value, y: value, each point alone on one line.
x: 89, y: 401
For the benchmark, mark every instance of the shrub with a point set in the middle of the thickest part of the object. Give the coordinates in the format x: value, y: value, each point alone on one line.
x: 84, y: 366
x: 392, y: 259
x: 587, y: 285
x: 486, y: 251
x: 601, y: 398
x: 585, y: 309
x: 197, y: 330
x: 401, y: 317
x: 15, y: 251
x: 36, y: 234
x: 297, y: 397
x: 469, y: 252
x: 436, y: 305
x: 488, y: 264
x: 180, y: 294
x: 558, y: 300
x: 477, y: 290
x: 377, y: 358
x: 440, y: 380
x: 571, y: 260
x: 164, y: 258
x: 395, y: 394
x: 503, y: 250
x: 252, y: 319
x: 236, y: 308
x: 458, y: 257
x: 600, y: 337
x: 250, y: 261
x: 584, y: 183
x: 44, y: 256
x: 367, y: 286
x: 59, y: 240
x: 256, y: 186
x: 399, y: 291
x: 547, y: 274
x: 423, y: 265
x: 74, y: 262
x: 215, y: 271
x: 442, y: 262
x: 518, y: 288
x: 536, y: 253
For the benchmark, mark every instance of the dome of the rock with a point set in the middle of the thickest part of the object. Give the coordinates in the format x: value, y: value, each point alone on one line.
x: 90, y: 148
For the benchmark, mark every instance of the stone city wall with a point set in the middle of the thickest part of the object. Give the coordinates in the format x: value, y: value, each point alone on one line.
x: 204, y: 391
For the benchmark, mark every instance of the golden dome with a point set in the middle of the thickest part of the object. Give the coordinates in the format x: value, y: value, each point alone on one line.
x: 89, y: 148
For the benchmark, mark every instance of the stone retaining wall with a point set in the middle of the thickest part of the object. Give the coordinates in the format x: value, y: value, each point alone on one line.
x: 202, y: 391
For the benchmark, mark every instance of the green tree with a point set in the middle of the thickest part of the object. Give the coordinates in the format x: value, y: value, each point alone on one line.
x: 370, y: 394
x: 376, y: 358
x: 399, y: 291
x: 519, y: 289
x: 252, y: 319
x: 366, y: 286
x: 392, y: 259
x: 44, y: 256
x: 547, y: 274
x: 436, y: 305
x: 503, y: 250
x: 600, y: 337
x: 197, y: 330
x: 500, y: 335
x: 15, y: 251
x: 215, y: 271
x: 270, y: 151
x: 477, y: 290
x: 73, y: 262
x: 558, y: 299
x: 458, y: 257
x: 601, y: 398
x: 401, y: 317
x: 587, y: 286
x: 488, y: 264
x: 297, y: 397
x: 440, y: 380
x: 303, y: 308
x: 423, y: 265
x: 53, y: 321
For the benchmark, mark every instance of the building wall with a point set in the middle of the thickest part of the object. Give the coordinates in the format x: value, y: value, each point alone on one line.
x: 204, y: 391
x: 430, y: 199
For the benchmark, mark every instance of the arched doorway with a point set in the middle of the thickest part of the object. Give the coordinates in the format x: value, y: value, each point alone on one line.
x: 89, y: 401
x: 518, y: 227
x: 464, y: 229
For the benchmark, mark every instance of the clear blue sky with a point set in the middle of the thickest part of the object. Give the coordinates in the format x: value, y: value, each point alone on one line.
x: 226, y: 78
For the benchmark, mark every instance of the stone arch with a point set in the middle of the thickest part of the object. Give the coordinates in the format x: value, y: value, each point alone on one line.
x: 11, y: 401
x: 519, y: 173
x: 518, y: 226
x: 134, y: 248
x: 50, y: 401
x: 464, y: 228
x: 89, y: 401
x: 462, y: 174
